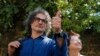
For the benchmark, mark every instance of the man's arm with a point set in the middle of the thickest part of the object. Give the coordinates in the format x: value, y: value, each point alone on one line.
x: 58, y: 32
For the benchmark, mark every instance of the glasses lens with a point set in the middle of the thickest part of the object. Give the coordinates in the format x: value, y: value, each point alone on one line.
x: 39, y: 19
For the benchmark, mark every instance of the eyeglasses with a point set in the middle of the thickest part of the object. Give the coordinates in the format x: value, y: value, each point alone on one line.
x: 39, y: 19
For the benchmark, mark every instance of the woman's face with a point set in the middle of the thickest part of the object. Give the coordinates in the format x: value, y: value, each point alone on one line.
x: 75, y: 43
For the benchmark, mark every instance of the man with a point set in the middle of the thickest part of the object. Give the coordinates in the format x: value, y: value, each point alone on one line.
x: 59, y: 36
x: 37, y: 43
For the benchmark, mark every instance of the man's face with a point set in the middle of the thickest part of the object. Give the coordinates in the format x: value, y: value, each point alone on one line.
x: 75, y: 43
x: 39, y: 23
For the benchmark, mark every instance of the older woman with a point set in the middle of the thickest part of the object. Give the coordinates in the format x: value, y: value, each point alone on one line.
x: 75, y: 44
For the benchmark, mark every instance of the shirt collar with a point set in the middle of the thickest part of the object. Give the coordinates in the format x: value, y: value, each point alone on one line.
x: 42, y: 36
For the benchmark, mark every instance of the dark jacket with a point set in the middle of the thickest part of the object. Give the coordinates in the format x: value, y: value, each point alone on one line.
x: 61, y: 51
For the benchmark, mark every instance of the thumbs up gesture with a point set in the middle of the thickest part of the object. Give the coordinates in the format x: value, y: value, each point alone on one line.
x: 56, y: 22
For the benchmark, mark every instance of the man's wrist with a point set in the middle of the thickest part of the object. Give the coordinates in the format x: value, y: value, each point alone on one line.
x: 9, y: 54
x: 59, y: 31
x: 58, y: 34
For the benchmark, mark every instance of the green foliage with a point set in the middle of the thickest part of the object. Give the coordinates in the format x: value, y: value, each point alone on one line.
x: 77, y: 15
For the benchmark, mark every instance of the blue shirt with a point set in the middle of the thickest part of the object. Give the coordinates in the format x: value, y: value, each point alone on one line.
x: 41, y: 46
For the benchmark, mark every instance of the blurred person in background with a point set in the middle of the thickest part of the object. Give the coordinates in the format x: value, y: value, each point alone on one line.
x: 75, y: 44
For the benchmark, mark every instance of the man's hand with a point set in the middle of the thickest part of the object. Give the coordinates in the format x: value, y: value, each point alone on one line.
x: 56, y: 22
x: 12, y: 46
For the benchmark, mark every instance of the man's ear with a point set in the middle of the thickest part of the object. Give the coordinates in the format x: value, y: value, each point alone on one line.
x: 48, y: 29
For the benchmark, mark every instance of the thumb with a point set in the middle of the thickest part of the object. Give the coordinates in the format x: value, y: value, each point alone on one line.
x: 58, y: 14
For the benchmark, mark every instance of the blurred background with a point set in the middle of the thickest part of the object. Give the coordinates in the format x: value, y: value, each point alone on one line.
x: 82, y: 16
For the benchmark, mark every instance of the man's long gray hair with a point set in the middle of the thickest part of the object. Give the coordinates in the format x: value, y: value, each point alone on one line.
x: 31, y: 17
